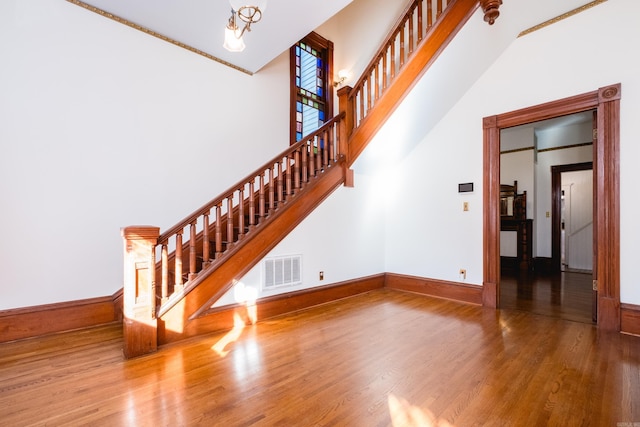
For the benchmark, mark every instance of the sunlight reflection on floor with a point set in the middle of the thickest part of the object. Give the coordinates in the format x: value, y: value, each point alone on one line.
x: 230, y: 337
x: 404, y: 414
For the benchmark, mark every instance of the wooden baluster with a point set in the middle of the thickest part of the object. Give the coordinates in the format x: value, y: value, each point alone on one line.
x: 331, y: 145
x: 305, y: 164
x: 376, y: 71
x: 420, y: 29
x: 296, y: 171
x: 241, y: 213
x: 439, y: 9
x: 280, y: 181
x: 369, y: 92
x: 288, y: 183
x: 206, y: 251
x: 230, y: 238
x: 392, y: 55
x: 252, y: 205
x: 178, y: 262
x: 312, y: 161
x: 272, y: 184
x: 218, y: 209
x: 165, y: 273
x: 361, y: 94
x: 261, y: 198
x: 192, y: 251
x: 325, y: 149
x: 411, y: 38
x: 385, y: 68
x: 401, y: 47
x: 429, y: 14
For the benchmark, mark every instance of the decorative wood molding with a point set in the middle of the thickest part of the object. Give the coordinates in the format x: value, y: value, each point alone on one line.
x: 630, y: 319
x: 566, y: 147
x: 436, y: 288
x: 491, y: 10
x: 561, y: 17
x: 145, y: 30
x: 606, y: 101
x: 29, y: 322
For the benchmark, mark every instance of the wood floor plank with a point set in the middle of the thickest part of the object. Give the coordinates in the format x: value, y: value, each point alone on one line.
x: 342, y: 363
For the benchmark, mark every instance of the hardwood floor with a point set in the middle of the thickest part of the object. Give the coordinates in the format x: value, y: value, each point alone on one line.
x: 371, y: 360
x: 564, y: 295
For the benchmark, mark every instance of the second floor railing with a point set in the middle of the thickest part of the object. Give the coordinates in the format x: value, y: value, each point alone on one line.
x: 401, y: 43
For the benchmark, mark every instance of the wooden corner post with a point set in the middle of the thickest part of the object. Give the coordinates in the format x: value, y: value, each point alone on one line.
x: 346, y: 107
x: 139, y: 307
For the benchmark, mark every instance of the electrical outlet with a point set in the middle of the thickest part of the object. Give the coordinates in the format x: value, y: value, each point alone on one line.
x: 322, y: 275
x: 465, y: 206
x: 463, y: 274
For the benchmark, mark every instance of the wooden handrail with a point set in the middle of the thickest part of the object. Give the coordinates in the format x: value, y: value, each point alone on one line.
x: 399, y: 46
x: 209, y: 205
x: 277, y: 180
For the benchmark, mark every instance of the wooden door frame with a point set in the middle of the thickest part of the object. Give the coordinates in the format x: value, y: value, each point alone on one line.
x: 606, y: 163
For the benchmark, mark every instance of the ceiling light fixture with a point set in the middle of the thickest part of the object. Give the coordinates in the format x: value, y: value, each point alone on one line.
x: 241, y: 12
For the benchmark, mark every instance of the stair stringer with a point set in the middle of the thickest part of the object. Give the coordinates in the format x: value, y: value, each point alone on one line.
x: 186, y: 313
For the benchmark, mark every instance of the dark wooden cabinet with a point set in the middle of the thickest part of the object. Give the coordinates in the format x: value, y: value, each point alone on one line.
x: 524, y: 230
x: 513, y: 217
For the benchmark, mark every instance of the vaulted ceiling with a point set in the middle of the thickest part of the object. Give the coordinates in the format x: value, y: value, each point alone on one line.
x: 200, y: 24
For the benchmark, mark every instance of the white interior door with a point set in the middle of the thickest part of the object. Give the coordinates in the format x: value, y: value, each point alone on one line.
x: 578, y: 219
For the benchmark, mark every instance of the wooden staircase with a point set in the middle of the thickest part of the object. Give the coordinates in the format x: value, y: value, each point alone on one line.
x: 173, y: 278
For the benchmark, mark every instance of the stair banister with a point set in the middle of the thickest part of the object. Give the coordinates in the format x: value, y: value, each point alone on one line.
x: 340, y: 139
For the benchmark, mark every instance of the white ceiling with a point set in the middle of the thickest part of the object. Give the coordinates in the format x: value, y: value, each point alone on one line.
x: 200, y: 24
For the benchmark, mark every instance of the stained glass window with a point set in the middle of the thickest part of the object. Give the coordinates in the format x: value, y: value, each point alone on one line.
x: 311, y: 58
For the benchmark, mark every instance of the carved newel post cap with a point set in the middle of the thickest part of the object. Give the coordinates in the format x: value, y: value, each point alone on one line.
x: 491, y: 10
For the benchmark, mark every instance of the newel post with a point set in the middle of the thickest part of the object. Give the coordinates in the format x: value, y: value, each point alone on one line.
x: 139, y: 323
x: 346, y: 106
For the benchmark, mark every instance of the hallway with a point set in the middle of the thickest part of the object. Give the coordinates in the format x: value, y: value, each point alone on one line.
x: 565, y: 295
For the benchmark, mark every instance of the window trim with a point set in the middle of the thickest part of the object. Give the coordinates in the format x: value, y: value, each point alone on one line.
x: 326, y: 46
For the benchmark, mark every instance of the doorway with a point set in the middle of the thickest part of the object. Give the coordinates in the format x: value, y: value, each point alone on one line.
x: 606, y: 101
x: 550, y: 161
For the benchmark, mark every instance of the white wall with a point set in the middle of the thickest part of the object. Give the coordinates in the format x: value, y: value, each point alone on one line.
x: 345, y: 236
x: 549, y: 64
x: 100, y: 124
x: 103, y: 126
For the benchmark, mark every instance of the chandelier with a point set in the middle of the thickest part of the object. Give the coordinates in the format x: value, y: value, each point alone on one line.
x: 242, y: 16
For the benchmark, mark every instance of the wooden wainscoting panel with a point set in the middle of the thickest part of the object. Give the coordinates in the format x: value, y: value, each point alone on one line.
x: 28, y: 322
x: 437, y: 288
x: 630, y: 319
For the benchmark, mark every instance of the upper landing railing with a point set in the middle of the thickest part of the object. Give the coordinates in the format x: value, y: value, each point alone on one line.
x: 419, y: 17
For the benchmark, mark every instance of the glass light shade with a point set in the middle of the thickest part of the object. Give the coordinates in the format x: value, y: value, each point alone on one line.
x: 237, y: 4
x: 343, y: 74
x: 231, y: 42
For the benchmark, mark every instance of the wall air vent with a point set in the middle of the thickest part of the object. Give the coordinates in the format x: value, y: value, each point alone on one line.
x: 282, y: 271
